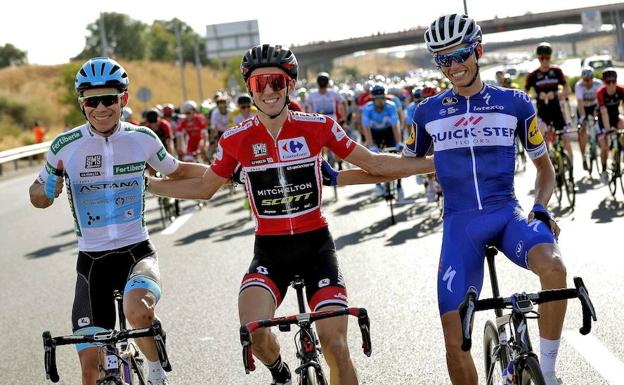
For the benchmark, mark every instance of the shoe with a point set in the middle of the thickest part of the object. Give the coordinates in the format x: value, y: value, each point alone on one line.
x: 379, y: 191
x: 604, y: 177
x: 551, y: 379
x: 401, y: 196
x: 285, y: 372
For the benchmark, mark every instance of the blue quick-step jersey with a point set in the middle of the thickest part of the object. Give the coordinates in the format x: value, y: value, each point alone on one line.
x: 379, y: 120
x: 473, y: 142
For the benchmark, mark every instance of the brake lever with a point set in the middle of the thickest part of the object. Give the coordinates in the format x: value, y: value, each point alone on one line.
x: 248, y: 360
x: 587, y: 306
x: 466, y: 313
x: 364, y: 323
x: 49, y: 349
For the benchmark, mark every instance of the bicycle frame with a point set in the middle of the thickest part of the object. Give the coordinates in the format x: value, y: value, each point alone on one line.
x: 108, y: 341
x: 307, y: 351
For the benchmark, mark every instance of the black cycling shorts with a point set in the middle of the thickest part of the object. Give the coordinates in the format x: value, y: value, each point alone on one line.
x: 551, y: 115
x: 384, y: 138
x: 100, y: 273
x: 311, y: 255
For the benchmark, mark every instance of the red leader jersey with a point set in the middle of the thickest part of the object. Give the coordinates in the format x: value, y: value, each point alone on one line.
x: 283, y: 174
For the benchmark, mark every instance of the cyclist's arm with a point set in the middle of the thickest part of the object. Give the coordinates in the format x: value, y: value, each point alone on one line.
x: 203, y: 187
x: 187, y: 170
x: 544, y: 180
x: 38, y: 196
x: 397, y: 133
x: 604, y: 115
x: 387, y: 165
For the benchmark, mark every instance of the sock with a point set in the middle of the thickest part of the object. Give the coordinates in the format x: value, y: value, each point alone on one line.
x: 279, y: 370
x: 155, y: 370
x: 548, y: 354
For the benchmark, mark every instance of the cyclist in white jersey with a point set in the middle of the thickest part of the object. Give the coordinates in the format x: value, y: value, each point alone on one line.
x: 585, y: 90
x: 102, y: 163
x: 326, y: 101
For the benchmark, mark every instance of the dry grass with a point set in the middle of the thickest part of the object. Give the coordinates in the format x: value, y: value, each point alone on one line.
x: 40, y: 85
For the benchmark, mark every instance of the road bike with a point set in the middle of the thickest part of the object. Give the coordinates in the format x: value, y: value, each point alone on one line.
x: 121, y: 363
x: 592, y: 147
x: 508, y: 354
x: 521, y: 160
x: 309, y: 370
x: 564, y: 173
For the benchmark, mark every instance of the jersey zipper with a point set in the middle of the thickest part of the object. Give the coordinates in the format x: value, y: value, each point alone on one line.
x: 474, y: 163
x: 282, y: 178
x: 110, y: 193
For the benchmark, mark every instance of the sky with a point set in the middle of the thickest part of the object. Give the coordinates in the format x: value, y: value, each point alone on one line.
x: 53, y: 31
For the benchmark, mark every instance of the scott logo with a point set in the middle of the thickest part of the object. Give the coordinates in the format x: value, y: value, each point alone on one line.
x: 471, y: 120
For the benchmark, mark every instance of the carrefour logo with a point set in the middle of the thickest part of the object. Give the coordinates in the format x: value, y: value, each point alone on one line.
x: 294, y: 148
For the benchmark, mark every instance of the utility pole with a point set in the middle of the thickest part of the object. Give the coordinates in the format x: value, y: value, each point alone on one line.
x: 465, y: 8
x: 180, y: 60
x: 198, y: 69
x: 103, y: 41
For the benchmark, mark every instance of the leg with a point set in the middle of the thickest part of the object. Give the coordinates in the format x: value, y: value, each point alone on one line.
x: 90, y: 365
x: 460, y: 364
x: 582, y: 140
x: 545, y: 261
x: 256, y: 303
x: 333, y: 336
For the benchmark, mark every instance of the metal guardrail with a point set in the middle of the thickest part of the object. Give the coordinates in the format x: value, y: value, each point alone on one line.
x: 15, y: 154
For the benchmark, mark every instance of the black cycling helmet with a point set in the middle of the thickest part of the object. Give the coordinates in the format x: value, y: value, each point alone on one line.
x: 243, y: 99
x: 417, y: 93
x: 267, y: 55
x: 378, y: 91
x: 152, y: 115
x: 322, y: 79
x: 543, y: 48
x: 609, y: 73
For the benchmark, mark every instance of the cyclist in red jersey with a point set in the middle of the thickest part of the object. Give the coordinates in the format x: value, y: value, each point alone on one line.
x: 192, y: 131
x: 280, y: 151
x: 609, y: 97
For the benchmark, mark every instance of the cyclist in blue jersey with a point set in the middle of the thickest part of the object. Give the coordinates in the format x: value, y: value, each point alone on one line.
x: 380, y: 126
x: 102, y: 163
x: 472, y: 128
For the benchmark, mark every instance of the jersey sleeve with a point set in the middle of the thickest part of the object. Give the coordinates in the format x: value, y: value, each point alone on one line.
x: 336, y: 139
x: 562, y: 78
x: 578, y: 90
x: 419, y: 141
x: 600, y: 96
x: 528, y: 83
x: 225, y: 162
x: 527, y: 128
x: 50, y: 165
x: 157, y: 155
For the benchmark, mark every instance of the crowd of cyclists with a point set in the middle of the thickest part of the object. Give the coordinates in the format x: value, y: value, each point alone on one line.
x: 277, y: 133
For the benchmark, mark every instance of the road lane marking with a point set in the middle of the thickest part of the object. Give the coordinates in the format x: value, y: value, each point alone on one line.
x: 177, y: 223
x: 598, y: 356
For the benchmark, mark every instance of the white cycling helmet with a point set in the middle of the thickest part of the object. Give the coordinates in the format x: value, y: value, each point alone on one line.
x: 188, y: 106
x: 451, y: 30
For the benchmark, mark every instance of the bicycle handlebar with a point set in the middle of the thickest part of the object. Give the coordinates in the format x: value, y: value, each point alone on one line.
x: 472, y: 305
x: 247, y: 330
x: 107, y: 337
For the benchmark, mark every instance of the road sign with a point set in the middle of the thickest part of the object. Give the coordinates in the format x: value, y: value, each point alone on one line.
x: 144, y: 94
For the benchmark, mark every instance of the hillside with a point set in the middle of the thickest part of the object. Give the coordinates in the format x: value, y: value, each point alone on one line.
x: 40, y: 91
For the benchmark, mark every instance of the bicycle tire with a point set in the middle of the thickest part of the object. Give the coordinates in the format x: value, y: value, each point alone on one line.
x: 568, y: 180
x: 137, y: 375
x: 313, y: 377
x: 493, y: 370
x: 616, y: 172
x: 558, y: 178
x: 529, y: 372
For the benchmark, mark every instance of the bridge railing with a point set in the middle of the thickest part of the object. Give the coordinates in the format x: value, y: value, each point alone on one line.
x: 16, y: 154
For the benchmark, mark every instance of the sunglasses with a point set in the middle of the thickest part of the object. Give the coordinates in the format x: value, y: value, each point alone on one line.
x: 277, y: 82
x: 92, y: 101
x: 543, y: 57
x: 459, y: 55
x: 610, y: 81
x: 244, y: 107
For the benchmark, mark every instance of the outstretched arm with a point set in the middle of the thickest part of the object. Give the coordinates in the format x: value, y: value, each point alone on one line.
x: 203, y: 187
x: 397, y: 166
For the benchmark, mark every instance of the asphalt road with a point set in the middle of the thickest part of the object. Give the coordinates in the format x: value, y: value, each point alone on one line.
x: 390, y: 270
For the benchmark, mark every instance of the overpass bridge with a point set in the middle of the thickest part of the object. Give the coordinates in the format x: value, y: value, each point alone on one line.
x: 319, y: 56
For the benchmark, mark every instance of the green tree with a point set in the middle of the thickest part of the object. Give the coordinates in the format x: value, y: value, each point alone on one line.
x: 188, y: 37
x: 126, y: 37
x: 74, y: 115
x: 11, y: 55
x: 161, y: 42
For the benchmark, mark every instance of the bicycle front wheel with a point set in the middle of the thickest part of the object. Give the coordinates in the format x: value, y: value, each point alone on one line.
x: 569, y: 180
x: 493, y: 357
x: 314, y: 377
x: 530, y: 373
x: 615, y: 172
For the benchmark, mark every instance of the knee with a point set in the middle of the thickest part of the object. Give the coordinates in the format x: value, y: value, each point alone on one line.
x: 261, y: 338
x: 336, y: 347
x: 90, y: 372
x: 553, y: 270
x: 454, y: 353
x: 139, y: 314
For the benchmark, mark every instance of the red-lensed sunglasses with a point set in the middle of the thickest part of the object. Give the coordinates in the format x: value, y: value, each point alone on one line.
x: 277, y: 82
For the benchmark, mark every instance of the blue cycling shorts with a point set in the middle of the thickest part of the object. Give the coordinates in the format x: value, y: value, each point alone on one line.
x: 465, y: 238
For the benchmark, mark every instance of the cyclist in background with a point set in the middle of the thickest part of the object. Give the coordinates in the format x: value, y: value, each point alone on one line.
x: 380, y: 128
x: 191, y: 133
x: 609, y: 97
x: 325, y: 100
x: 219, y: 117
x: 585, y: 91
x: 161, y: 128
x: 546, y: 80
x: 244, y: 111
x: 126, y: 116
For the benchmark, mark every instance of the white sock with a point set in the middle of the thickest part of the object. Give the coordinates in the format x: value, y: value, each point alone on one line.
x: 548, y: 354
x: 155, y: 370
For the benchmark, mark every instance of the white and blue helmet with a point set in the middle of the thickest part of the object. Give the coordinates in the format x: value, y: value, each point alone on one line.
x: 100, y: 72
x: 451, y: 30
